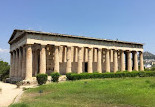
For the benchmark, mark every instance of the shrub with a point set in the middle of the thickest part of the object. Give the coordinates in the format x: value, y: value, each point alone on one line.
x: 42, y: 78
x: 74, y: 76
x: 55, y: 76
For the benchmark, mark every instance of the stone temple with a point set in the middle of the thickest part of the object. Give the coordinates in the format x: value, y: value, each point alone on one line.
x: 34, y: 52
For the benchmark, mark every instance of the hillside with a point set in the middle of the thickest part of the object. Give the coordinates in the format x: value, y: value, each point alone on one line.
x: 148, y: 55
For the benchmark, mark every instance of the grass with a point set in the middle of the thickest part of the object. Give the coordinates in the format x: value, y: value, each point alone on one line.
x: 122, y: 92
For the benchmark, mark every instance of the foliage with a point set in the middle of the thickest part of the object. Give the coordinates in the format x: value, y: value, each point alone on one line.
x: 42, y: 79
x: 4, y: 70
x: 109, y: 92
x: 74, y: 76
x: 55, y: 76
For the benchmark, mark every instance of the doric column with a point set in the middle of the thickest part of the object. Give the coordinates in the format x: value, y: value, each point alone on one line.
x: 68, y: 68
x: 14, y: 63
x: 86, y: 54
x: 56, y: 59
x: 64, y: 53
x: 129, y: 61
x: 17, y: 57
x: 76, y: 54
x: 99, y: 67
x: 60, y: 53
x: 20, y: 64
x: 141, y: 61
x: 90, y: 57
x: 95, y: 55
x: 79, y: 60
x: 36, y: 62
x: 28, y: 73
x: 11, y: 65
x: 23, y: 63
x: 43, y: 59
x: 107, y: 61
x: 111, y: 55
x: 122, y: 61
x: 135, y: 61
x: 115, y: 61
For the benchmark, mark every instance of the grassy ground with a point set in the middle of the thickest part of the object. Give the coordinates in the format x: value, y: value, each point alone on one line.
x: 127, y: 92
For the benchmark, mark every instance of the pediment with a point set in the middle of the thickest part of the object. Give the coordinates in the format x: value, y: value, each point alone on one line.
x: 15, y: 34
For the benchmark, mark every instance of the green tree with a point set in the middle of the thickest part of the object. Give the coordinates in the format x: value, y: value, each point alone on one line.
x: 4, y: 70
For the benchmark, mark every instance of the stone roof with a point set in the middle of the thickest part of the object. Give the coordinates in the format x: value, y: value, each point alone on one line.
x: 70, y: 36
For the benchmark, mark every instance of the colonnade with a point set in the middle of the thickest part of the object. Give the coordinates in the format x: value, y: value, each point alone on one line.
x: 23, y: 58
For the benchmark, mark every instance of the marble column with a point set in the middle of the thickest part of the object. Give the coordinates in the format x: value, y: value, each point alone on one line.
x: 76, y: 54
x: 17, y: 57
x: 122, y: 61
x: 79, y: 60
x: 36, y: 62
x: 20, y: 64
x: 86, y: 54
x: 28, y: 73
x: 60, y: 53
x: 90, y: 58
x: 99, y: 67
x: 95, y: 55
x: 69, y: 64
x: 107, y: 61
x: 43, y: 59
x: 141, y: 61
x: 129, y: 61
x: 64, y: 53
x: 56, y: 59
x: 23, y: 63
x: 115, y: 60
x: 135, y: 58
x: 14, y: 63
x: 111, y: 56
x: 11, y: 65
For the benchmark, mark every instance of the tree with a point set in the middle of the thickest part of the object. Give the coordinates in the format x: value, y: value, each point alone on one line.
x: 4, y: 70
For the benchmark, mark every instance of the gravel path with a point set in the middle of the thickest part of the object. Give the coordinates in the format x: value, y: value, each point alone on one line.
x: 8, y: 94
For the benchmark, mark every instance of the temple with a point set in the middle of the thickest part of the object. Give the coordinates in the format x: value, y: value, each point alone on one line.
x: 34, y: 52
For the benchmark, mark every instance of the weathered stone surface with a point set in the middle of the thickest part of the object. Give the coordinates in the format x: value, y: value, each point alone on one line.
x: 39, y: 52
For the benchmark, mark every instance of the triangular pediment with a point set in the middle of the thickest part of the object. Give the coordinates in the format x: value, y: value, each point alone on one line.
x: 15, y: 34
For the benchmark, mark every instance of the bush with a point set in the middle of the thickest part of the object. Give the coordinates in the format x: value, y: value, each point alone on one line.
x: 42, y: 78
x: 55, y: 76
x: 74, y: 76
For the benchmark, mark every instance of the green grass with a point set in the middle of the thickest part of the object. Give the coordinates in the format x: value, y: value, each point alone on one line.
x: 122, y: 92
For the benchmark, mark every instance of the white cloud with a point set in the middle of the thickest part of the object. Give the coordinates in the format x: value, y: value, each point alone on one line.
x: 4, y: 50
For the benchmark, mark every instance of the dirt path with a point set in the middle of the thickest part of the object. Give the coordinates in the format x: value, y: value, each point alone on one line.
x: 8, y: 94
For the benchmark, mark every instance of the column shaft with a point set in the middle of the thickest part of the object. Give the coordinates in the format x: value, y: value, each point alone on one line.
x: 107, y: 61
x: 90, y: 52
x: 64, y: 53
x: 99, y: 67
x: 141, y: 61
x: 56, y: 59
x: 28, y: 73
x: 17, y: 56
x: 11, y: 65
x: 135, y: 61
x: 129, y: 61
x: 122, y: 61
x: 86, y: 54
x: 79, y: 60
x: 115, y: 61
x: 68, y: 68
x: 20, y: 64
x: 23, y: 63
x: 43, y: 60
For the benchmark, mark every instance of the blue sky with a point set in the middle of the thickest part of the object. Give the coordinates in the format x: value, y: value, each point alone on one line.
x: 127, y: 20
